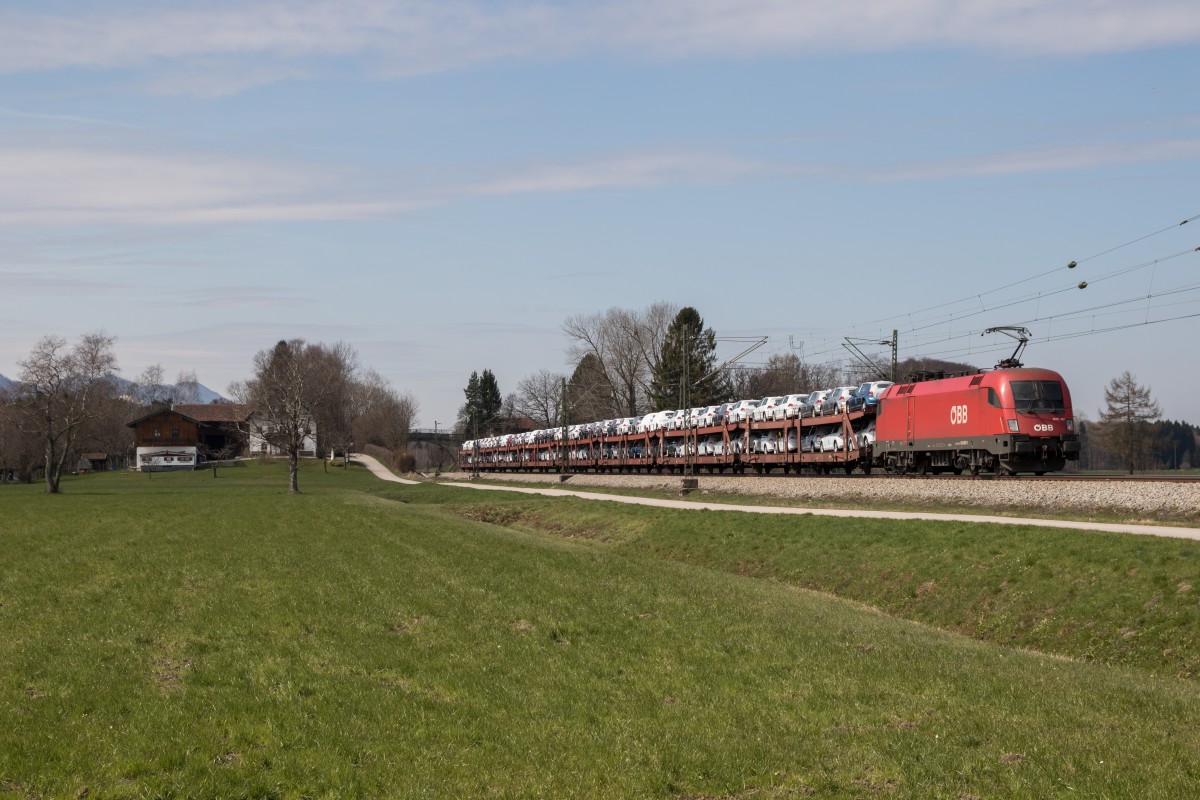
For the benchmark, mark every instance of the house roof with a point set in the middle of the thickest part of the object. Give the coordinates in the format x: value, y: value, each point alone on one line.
x: 214, y: 412
x: 201, y: 413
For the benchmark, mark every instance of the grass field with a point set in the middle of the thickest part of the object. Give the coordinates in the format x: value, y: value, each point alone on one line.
x: 185, y: 636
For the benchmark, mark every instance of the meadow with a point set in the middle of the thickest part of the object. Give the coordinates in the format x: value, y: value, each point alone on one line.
x: 185, y: 636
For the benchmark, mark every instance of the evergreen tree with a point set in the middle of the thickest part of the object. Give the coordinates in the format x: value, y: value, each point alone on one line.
x: 590, y: 394
x: 490, y: 399
x: 686, y: 369
x: 481, y: 413
x: 1128, y: 411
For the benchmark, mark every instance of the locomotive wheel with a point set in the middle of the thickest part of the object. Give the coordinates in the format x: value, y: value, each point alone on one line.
x: 849, y: 468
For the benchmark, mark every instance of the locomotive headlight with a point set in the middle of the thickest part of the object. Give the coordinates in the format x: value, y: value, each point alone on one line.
x: 1071, y: 425
x: 1013, y: 426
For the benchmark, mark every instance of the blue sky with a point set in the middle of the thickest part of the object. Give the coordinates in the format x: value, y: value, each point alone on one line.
x: 441, y: 184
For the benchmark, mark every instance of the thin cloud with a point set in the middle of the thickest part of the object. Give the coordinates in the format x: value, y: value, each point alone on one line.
x: 75, y: 185
x: 208, y: 78
x: 1092, y: 155
x: 405, y: 37
x: 63, y: 186
x: 70, y: 118
x: 624, y: 171
x: 233, y: 296
x: 55, y: 284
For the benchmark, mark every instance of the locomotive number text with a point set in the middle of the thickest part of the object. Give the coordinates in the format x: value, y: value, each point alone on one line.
x: 958, y: 415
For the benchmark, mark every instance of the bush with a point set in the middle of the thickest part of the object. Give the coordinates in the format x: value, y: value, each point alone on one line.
x: 399, y: 460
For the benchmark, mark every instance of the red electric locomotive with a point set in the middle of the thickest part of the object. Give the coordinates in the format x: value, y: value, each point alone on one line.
x: 1006, y: 421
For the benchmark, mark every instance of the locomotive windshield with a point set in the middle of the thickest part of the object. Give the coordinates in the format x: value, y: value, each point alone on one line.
x: 1038, y: 397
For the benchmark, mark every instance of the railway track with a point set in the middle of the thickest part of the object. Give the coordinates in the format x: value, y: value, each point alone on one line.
x: 879, y: 475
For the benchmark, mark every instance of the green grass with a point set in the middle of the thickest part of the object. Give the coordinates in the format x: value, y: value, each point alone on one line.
x: 184, y: 636
x: 1112, y: 598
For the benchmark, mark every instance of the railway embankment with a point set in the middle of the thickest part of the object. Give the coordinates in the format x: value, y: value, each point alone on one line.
x: 1153, y: 500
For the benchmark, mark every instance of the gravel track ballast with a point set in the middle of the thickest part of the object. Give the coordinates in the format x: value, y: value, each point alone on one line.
x: 1152, y: 499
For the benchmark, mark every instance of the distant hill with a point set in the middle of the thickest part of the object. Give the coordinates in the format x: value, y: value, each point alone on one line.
x: 125, y: 386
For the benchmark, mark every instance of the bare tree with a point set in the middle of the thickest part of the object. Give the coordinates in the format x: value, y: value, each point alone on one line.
x: 381, y: 416
x: 539, y: 397
x: 18, y: 448
x: 149, y: 389
x: 626, y: 343
x: 1126, y: 417
x: 106, y: 431
x: 187, y: 388
x: 783, y: 373
x: 292, y: 381
x: 60, y: 385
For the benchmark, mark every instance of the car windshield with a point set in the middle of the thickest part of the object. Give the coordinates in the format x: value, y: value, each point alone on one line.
x: 1038, y: 397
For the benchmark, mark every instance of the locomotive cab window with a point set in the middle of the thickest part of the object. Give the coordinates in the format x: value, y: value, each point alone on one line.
x: 993, y: 398
x: 1038, y: 397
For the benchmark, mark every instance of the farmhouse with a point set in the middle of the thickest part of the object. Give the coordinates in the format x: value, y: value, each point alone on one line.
x: 176, y: 438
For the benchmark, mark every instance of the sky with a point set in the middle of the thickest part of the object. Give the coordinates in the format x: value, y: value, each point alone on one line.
x: 442, y: 183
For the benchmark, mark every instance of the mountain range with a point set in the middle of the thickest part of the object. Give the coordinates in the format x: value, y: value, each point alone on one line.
x: 125, y: 386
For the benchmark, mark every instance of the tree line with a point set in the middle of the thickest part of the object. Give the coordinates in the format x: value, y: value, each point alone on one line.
x: 68, y: 400
x: 629, y: 362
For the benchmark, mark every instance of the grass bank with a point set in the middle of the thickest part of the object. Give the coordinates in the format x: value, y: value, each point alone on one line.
x: 185, y: 636
x: 1112, y: 598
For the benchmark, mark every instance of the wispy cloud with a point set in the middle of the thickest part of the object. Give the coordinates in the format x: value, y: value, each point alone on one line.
x: 48, y: 186
x: 621, y: 171
x: 1089, y: 155
x: 54, y: 284
x: 68, y: 118
x: 75, y: 185
x: 420, y: 36
x: 233, y: 296
x: 214, y: 78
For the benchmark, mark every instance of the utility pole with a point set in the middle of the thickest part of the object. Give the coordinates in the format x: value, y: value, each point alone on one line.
x: 895, y: 350
x: 566, y: 443
x: 475, y: 447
